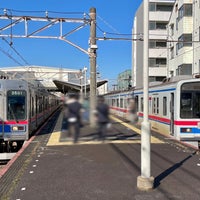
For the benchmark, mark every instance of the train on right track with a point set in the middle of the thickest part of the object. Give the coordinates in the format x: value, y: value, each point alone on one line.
x: 173, y: 107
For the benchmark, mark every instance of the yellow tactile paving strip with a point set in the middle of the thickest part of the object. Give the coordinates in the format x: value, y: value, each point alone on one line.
x: 132, y: 127
x: 55, y: 136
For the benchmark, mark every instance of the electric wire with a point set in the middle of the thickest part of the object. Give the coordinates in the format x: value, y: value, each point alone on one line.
x: 11, y: 46
x: 42, y: 11
x: 8, y: 55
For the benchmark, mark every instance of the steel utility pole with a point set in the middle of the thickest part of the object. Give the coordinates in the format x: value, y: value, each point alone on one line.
x: 92, y: 51
x: 145, y: 181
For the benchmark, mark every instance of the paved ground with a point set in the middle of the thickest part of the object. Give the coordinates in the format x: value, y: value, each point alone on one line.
x: 52, y: 167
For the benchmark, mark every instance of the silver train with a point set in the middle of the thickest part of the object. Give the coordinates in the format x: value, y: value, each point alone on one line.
x: 23, y: 108
x: 174, y: 107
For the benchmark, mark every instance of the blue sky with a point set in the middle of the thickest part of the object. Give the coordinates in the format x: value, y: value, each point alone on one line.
x: 113, y: 16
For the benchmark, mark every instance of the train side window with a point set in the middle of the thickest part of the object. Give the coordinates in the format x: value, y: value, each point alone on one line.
x: 164, y: 106
x: 125, y: 103
x: 155, y: 105
x: 186, y: 105
x: 117, y: 102
x: 121, y: 102
x: 113, y: 102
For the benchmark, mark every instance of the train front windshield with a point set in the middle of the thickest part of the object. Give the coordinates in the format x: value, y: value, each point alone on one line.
x: 190, y: 100
x: 16, y: 105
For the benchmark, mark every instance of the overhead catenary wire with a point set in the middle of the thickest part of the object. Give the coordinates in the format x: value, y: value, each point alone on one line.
x: 41, y: 11
x: 115, y: 35
x: 8, y: 55
x: 11, y: 46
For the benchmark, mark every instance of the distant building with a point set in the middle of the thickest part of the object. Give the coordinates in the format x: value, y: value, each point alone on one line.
x: 103, y: 89
x: 124, y: 80
x: 159, y: 14
x: 184, y: 33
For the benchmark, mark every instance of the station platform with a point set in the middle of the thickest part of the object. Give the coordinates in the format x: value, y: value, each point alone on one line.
x: 51, y: 166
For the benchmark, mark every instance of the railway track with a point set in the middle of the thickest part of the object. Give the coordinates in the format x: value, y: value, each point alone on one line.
x: 5, y: 157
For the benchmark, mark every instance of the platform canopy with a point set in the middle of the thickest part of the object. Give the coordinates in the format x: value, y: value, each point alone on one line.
x: 52, y: 79
x: 66, y: 87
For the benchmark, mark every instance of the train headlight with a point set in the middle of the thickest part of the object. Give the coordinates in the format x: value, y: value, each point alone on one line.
x: 18, y: 128
x: 14, y: 128
x: 186, y: 130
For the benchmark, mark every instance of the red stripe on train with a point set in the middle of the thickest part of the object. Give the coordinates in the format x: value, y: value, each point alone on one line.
x: 186, y: 123
x: 119, y: 109
x: 14, y: 122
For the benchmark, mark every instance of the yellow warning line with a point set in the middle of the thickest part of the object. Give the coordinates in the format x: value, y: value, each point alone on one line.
x: 153, y: 139
x: 55, y: 136
x: 69, y: 143
x: 54, y: 139
x: 127, y: 125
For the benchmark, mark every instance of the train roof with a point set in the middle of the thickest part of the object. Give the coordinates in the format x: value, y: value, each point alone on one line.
x: 168, y: 81
x: 165, y: 82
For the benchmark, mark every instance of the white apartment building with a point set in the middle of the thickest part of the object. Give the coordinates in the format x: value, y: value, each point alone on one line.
x: 184, y: 37
x: 159, y: 14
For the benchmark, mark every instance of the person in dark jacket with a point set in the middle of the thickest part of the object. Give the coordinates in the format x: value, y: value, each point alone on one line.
x: 102, y: 117
x: 74, y: 109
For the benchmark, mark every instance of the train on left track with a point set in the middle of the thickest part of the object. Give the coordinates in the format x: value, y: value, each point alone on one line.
x: 23, y: 108
x: 173, y: 105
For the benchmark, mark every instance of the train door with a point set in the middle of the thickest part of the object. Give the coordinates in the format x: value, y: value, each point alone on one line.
x: 172, y: 114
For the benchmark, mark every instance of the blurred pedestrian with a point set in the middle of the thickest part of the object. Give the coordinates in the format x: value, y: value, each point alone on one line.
x: 102, y: 117
x: 132, y: 110
x: 74, y: 109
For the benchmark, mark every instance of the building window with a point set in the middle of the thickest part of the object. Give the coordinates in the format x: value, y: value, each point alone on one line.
x: 164, y: 8
x: 184, y: 69
x: 156, y: 78
x: 185, y: 41
x: 154, y: 25
x: 185, y: 11
x: 157, y: 62
x: 152, y: 6
x: 160, y: 7
x: 157, y: 44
